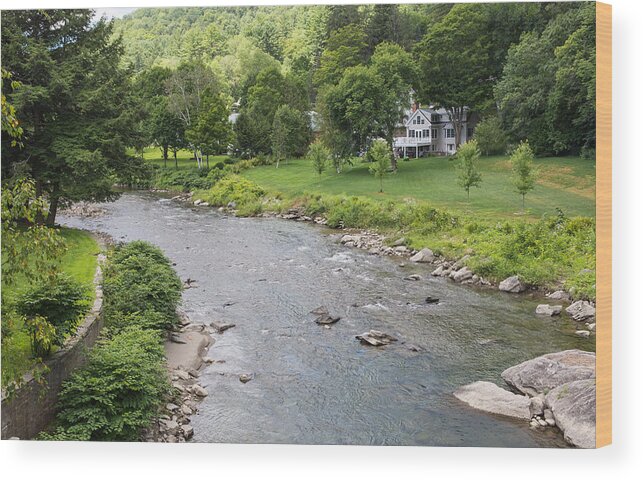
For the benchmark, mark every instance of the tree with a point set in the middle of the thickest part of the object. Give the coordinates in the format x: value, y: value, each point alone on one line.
x: 290, y: 133
x: 186, y: 88
x: 468, y: 174
x: 319, y: 156
x: 380, y: 155
x: 455, y: 61
x: 166, y: 130
x: 211, y: 133
x: 524, y: 178
x: 490, y: 137
x: 383, y: 25
x: 345, y: 48
x: 74, y: 104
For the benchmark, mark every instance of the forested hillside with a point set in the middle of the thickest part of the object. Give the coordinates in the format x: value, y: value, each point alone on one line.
x: 527, y: 67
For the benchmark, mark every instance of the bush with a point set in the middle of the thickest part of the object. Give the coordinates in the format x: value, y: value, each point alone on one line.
x: 141, y: 288
x: 185, y: 180
x: 117, y: 393
x: 60, y: 300
x: 234, y: 188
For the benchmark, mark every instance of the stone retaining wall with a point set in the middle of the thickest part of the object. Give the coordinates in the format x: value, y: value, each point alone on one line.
x: 30, y: 408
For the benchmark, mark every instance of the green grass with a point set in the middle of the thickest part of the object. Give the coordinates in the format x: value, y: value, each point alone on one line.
x: 79, y: 261
x: 185, y: 158
x: 567, y: 183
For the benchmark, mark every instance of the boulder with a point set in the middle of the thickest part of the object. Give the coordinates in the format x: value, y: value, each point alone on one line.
x: 512, y: 285
x: 221, y: 327
x: 549, y: 418
x: 431, y: 300
x: 326, y: 319
x: 350, y: 239
x: 559, y: 295
x: 463, y: 274
x: 376, y: 338
x: 438, y: 272
x: 581, y: 311
x: 536, y: 406
x: 187, y: 431
x: 423, y: 256
x: 414, y: 277
x: 245, y: 377
x: 573, y: 406
x: 542, y: 374
x: 199, y: 391
x: 399, y: 242
x: 460, y: 263
x: 489, y: 397
x: 549, y: 310
x: 582, y: 333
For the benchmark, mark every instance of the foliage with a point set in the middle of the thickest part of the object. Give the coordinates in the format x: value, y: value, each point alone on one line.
x: 117, y: 393
x: 233, y: 188
x: 524, y: 178
x: 140, y: 287
x: 380, y: 156
x: 42, y: 334
x: 61, y: 300
x: 467, y: 157
x: 491, y: 139
x: 290, y: 133
x: 27, y: 248
x: 211, y: 133
x: 74, y: 103
x: 10, y: 123
x: 318, y: 155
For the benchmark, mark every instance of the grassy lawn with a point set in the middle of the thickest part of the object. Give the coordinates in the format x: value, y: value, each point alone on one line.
x: 79, y: 261
x: 568, y: 183
x: 185, y: 158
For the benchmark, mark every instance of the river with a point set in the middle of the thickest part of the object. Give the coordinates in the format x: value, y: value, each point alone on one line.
x: 321, y: 386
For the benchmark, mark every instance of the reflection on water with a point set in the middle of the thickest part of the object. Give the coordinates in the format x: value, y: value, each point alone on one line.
x: 317, y: 385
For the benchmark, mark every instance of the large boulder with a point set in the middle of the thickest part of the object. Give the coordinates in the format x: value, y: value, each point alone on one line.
x: 581, y: 311
x: 543, y: 374
x: 512, y: 284
x: 559, y: 295
x: 573, y: 406
x: 423, y: 256
x: 489, y: 397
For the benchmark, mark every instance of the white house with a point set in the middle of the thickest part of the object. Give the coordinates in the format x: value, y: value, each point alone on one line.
x: 425, y: 131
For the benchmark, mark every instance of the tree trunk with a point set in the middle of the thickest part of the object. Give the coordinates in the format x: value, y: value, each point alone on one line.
x: 207, y: 159
x: 165, y: 156
x: 40, y: 219
x: 176, y: 160
x: 53, y: 206
x: 381, y: 184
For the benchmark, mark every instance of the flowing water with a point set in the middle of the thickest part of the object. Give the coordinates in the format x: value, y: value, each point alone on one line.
x: 321, y: 386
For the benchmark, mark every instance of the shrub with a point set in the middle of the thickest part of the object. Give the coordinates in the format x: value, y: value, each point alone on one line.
x: 233, y: 188
x: 60, y: 300
x: 117, y: 393
x: 140, y: 287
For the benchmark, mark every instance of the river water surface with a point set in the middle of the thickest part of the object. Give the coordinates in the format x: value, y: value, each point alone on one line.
x: 321, y: 386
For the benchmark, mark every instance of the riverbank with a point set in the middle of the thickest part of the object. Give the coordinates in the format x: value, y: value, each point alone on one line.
x: 549, y: 255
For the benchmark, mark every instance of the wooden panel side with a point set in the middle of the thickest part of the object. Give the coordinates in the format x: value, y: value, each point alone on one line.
x: 603, y: 224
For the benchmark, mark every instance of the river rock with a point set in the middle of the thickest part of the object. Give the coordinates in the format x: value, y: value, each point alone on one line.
x: 399, y: 242
x: 463, y: 274
x: 186, y: 410
x: 549, y: 310
x: 582, y: 333
x: 181, y: 374
x: 199, y: 391
x: 542, y: 374
x: 245, y: 377
x: 536, y: 406
x: 172, y: 407
x: 581, y: 311
x: 187, y: 431
x: 221, y: 327
x: 489, y: 397
x: 431, y: 300
x: 232, y: 205
x: 423, y: 256
x: 376, y: 338
x: 512, y: 285
x: 414, y: 277
x: 438, y: 272
x: 573, y: 406
x: 326, y: 319
x: 354, y: 239
x: 549, y: 418
x: 460, y: 263
x: 559, y: 295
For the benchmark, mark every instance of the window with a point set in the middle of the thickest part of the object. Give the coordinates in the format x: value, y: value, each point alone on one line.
x: 449, y: 133
x: 434, y: 133
x: 435, y: 117
x: 469, y: 133
x: 425, y: 133
x: 450, y: 146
